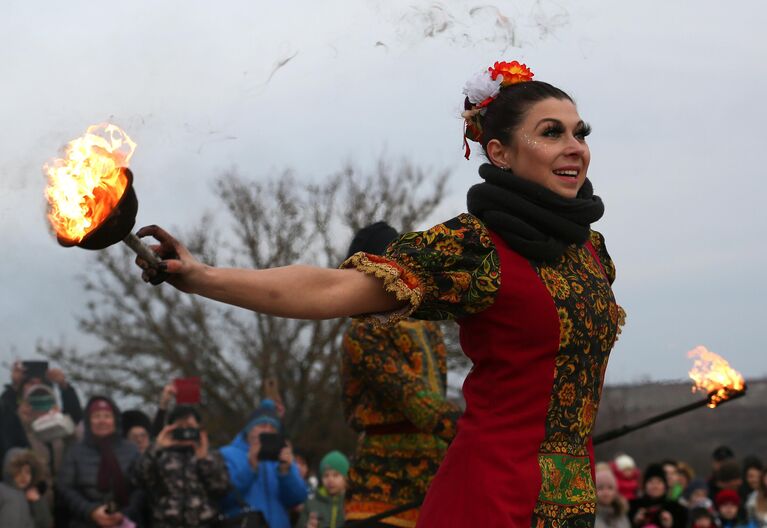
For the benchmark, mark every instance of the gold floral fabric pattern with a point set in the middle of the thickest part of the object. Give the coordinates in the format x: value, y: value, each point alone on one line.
x: 446, y: 272
x: 590, y: 320
x: 391, y: 376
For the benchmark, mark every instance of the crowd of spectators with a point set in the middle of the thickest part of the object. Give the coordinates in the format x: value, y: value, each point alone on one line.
x: 66, y: 466
x: 668, y: 493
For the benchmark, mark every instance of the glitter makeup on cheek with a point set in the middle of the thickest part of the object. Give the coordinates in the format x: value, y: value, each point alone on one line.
x: 530, y: 141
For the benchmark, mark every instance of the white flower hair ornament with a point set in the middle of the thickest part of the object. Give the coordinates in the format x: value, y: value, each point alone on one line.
x: 482, y: 89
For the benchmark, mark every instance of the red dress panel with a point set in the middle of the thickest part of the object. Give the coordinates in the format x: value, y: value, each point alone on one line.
x: 490, y: 476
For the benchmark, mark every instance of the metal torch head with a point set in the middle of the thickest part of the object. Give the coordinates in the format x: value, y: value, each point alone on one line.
x: 114, y: 227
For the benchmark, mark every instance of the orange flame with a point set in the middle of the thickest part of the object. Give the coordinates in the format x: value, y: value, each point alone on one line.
x: 713, y: 374
x: 88, y: 182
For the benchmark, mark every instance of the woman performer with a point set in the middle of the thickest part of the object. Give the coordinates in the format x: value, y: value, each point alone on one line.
x: 529, y: 284
x: 393, y: 384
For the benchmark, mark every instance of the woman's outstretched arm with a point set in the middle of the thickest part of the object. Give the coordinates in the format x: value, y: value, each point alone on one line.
x: 299, y: 292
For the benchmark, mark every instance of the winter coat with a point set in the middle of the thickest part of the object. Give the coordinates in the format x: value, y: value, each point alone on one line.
x: 77, y: 481
x: 329, y: 510
x: 265, y: 489
x: 182, y: 489
x: 14, y: 511
x: 14, y: 460
x: 627, y: 486
x: 612, y: 516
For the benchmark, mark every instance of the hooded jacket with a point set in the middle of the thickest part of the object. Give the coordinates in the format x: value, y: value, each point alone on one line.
x: 14, y: 460
x: 183, y: 490
x: 329, y: 510
x: 77, y: 481
x: 265, y: 489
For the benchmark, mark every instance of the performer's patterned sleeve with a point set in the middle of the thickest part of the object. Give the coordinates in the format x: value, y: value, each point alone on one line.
x: 405, y: 366
x: 449, y: 271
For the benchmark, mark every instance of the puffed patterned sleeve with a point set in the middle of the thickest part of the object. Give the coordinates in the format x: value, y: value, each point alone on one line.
x: 449, y: 271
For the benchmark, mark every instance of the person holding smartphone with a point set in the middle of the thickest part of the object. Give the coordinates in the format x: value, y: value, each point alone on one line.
x: 182, y: 477
x: 262, y: 469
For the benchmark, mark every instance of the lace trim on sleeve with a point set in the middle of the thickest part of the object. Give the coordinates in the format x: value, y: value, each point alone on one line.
x: 396, y: 279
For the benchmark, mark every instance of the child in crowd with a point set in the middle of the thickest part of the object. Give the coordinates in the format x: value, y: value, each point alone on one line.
x: 653, y: 507
x: 326, y: 509
x: 627, y: 475
x: 24, y: 471
x: 728, y: 508
x: 696, y: 495
x: 611, y: 507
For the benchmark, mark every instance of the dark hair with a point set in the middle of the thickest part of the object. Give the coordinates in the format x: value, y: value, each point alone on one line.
x: 180, y: 412
x: 507, y: 111
x: 729, y: 470
x: 722, y: 452
x: 752, y: 462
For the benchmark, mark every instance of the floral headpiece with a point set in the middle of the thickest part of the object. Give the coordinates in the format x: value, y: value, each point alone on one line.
x: 482, y: 89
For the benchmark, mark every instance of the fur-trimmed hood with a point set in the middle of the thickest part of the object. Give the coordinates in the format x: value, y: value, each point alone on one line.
x: 17, y: 457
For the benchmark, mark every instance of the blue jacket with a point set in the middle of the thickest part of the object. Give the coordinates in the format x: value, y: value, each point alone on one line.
x: 265, y: 489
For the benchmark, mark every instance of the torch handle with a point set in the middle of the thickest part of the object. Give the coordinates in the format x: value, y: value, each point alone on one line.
x: 143, y: 251
x: 626, y: 429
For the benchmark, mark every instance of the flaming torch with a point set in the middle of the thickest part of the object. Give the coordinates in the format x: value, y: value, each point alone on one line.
x: 712, y: 374
x: 90, y: 193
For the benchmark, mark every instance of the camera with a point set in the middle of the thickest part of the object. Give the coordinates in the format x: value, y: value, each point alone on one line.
x: 271, y: 445
x: 186, y: 433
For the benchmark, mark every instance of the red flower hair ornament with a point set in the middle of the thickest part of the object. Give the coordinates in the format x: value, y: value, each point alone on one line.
x: 482, y: 89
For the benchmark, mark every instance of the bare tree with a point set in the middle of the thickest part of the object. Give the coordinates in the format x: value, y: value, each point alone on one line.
x: 147, y: 336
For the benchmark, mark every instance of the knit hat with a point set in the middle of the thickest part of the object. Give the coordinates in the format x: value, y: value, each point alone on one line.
x: 135, y: 418
x: 99, y: 403
x: 624, y: 462
x: 264, y: 413
x: 695, y: 485
x: 727, y: 497
x: 40, y: 397
x: 655, y: 471
x: 373, y: 239
x: 335, y: 460
x: 605, y: 475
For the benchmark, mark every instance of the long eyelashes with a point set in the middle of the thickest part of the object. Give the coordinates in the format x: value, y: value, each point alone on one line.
x: 583, y: 131
x: 555, y: 130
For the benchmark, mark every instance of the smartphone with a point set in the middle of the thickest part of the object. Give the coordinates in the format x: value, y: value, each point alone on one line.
x: 35, y: 369
x: 187, y: 391
x: 271, y: 445
x: 186, y: 433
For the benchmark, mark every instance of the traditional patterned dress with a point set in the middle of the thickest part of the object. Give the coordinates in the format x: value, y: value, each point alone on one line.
x: 539, y: 336
x: 394, y: 394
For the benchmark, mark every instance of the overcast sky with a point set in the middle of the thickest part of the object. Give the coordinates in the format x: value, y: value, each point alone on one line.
x: 675, y: 92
